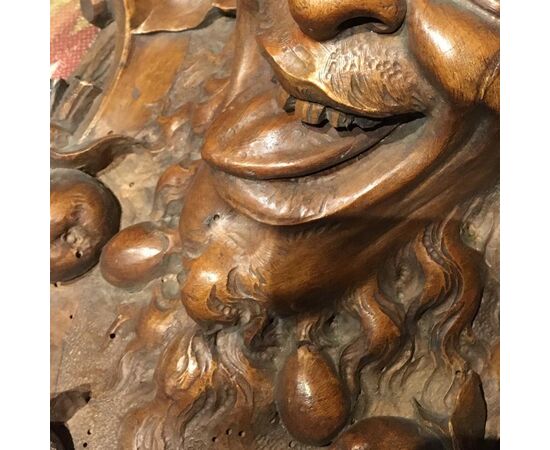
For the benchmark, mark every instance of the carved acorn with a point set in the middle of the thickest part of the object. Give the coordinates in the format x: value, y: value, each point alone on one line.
x: 383, y: 433
x: 136, y: 255
x: 311, y: 399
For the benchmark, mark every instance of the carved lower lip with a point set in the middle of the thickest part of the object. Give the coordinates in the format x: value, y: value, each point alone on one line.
x: 257, y: 139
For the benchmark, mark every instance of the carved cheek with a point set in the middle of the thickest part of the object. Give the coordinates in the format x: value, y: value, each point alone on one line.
x: 459, y: 48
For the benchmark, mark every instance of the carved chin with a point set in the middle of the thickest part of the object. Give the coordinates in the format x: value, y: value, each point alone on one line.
x: 280, y: 171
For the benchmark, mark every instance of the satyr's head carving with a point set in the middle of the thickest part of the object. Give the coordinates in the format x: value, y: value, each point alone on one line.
x: 347, y: 126
x: 324, y: 222
x: 377, y: 94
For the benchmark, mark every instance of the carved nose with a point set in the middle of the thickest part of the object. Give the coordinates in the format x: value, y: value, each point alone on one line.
x: 324, y: 19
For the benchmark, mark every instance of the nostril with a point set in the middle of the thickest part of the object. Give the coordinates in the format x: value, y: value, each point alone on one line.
x: 324, y: 19
x: 364, y: 23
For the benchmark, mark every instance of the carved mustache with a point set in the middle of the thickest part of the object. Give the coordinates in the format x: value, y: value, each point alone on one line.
x: 356, y: 73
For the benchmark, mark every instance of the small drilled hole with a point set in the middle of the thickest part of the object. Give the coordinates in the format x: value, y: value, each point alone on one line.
x: 78, y: 254
x: 242, y: 434
x: 85, y: 444
x: 131, y: 184
x: 71, y: 316
x: 89, y: 432
x: 55, y: 285
x: 292, y: 444
x: 215, y: 217
x: 112, y: 335
x: 228, y: 431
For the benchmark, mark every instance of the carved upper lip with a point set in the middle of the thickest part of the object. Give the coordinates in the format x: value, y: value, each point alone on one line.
x: 362, y: 76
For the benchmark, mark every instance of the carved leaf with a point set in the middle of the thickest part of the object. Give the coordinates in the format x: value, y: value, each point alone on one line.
x: 148, y: 16
x: 467, y: 423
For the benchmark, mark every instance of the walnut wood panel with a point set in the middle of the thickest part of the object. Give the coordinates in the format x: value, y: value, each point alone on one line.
x: 288, y: 227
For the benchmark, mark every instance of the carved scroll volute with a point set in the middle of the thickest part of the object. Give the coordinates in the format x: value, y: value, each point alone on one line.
x: 80, y: 107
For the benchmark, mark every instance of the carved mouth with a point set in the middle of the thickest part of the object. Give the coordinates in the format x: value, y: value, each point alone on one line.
x: 276, y: 136
x: 252, y: 158
x: 283, y: 160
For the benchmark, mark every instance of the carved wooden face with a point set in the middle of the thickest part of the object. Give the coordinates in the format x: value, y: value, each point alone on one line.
x: 369, y: 98
x: 355, y: 122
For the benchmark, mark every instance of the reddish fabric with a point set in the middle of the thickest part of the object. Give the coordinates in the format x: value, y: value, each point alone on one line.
x: 70, y: 37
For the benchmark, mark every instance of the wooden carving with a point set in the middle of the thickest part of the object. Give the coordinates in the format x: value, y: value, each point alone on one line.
x: 275, y: 225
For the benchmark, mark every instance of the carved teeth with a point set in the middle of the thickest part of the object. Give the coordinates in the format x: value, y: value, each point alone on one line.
x: 285, y: 100
x: 311, y: 113
x: 363, y: 122
x: 315, y: 113
x: 338, y: 119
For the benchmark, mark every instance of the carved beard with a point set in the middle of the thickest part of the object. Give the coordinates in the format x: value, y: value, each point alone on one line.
x: 273, y: 234
x: 400, y: 326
